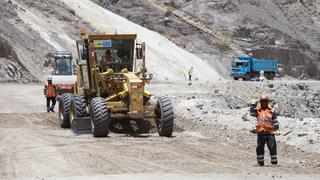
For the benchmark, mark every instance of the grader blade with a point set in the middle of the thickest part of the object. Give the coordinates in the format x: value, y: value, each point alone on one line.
x: 81, y: 125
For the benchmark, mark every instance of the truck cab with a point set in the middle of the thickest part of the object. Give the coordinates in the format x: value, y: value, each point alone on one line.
x: 241, y: 68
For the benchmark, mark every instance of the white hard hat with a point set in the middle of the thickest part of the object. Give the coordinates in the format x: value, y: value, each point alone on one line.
x: 49, y: 78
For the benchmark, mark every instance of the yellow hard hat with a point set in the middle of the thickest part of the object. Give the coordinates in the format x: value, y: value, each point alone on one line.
x: 253, y: 101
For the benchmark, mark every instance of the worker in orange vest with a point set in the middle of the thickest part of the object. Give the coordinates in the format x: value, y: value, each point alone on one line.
x: 267, y: 124
x: 50, y: 92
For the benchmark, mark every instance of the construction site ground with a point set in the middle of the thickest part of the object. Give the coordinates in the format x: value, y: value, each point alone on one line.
x: 34, y: 146
x: 211, y: 138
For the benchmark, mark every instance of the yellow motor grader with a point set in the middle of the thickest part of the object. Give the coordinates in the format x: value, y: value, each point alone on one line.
x: 111, y: 76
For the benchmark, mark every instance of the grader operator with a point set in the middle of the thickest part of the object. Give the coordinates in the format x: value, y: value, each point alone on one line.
x: 111, y: 76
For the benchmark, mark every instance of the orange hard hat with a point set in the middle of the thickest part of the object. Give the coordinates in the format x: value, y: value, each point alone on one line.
x: 264, y: 97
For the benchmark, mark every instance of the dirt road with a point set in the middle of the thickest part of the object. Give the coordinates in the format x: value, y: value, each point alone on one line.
x: 33, y: 145
x: 16, y: 98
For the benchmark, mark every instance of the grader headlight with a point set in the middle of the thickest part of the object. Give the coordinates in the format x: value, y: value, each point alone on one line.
x: 146, y: 97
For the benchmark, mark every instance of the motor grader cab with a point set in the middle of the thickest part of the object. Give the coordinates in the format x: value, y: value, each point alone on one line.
x: 111, y: 76
x: 61, y: 71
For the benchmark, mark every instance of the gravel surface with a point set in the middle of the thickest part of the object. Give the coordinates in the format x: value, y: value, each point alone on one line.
x: 212, y: 140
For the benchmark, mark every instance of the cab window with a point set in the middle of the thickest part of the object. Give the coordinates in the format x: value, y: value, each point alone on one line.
x: 82, y: 53
x: 237, y: 64
x: 115, y: 54
x: 63, y: 66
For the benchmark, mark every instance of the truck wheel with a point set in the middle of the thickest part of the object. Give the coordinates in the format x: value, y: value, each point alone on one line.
x: 267, y: 75
x: 248, y: 77
x: 77, y: 108
x: 235, y: 78
x: 164, y: 116
x: 64, y: 109
x: 100, y: 117
x: 272, y: 75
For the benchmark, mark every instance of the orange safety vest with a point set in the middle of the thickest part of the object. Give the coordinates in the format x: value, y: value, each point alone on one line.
x: 51, y: 90
x: 265, y: 121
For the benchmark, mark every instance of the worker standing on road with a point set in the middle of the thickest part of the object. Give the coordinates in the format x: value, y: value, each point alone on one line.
x: 267, y: 124
x: 190, y: 73
x: 50, y: 92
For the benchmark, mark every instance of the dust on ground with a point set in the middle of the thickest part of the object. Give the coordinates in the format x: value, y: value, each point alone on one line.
x: 36, y: 141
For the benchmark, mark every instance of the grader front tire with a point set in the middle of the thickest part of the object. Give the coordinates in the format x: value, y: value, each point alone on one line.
x: 164, y: 116
x: 100, y: 116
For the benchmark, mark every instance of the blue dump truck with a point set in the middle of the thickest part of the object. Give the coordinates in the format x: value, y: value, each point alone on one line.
x: 247, y: 67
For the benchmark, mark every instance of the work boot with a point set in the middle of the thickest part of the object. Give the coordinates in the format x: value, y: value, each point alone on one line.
x: 52, y: 109
x: 274, y: 160
x: 275, y: 164
x: 261, y: 163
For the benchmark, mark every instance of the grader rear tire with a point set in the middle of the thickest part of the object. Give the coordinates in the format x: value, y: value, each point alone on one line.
x: 100, y: 117
x: 78, y: 107
x: 164, y: 117
x: 64, y: 110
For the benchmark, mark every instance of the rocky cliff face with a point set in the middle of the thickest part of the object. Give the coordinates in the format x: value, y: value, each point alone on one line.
x: 288, y: 30
x: 29, y: 32
x: 11, y: 68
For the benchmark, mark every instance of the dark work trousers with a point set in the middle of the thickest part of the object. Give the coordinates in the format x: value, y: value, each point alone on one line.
x: 53, y: 100
x: 189, y: 77
x: 272, y: 146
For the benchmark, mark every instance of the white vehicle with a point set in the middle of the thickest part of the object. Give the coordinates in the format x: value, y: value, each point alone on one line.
x: 62, y: 72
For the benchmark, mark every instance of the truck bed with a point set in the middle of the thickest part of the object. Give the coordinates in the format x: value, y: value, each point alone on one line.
x: 264, y: 65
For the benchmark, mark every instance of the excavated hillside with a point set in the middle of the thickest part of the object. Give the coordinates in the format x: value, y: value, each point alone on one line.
x: 29, y: 31
x: 215, y: 31
x: 288, y: 30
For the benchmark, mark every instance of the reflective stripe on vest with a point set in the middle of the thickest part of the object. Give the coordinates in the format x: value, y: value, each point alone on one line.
x: 264, y: 121
x: 50, y: 91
